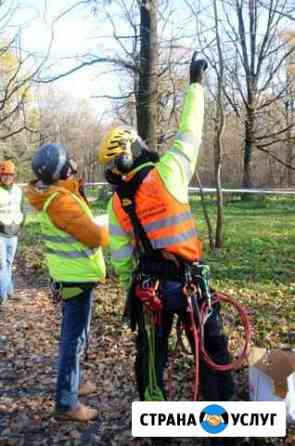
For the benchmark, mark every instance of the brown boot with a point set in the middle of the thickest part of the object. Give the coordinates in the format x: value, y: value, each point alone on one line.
x: 87, y: 388
x: 81, y: 413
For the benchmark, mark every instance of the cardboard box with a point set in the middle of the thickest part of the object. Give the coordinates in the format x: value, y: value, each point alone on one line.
x: 272, y: 378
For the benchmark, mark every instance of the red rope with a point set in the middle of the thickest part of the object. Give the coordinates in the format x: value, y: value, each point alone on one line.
x: 196, y: 337
x: 199, y: 343
x: 222, y: 297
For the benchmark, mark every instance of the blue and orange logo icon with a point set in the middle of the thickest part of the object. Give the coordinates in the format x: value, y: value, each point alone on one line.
x: 214, y: 419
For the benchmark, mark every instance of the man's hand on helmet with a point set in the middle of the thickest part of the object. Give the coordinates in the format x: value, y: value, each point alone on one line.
x: 197, y: 69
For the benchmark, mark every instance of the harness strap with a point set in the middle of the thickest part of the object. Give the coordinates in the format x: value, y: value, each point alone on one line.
x: 126, y: 193
x: 68, y: 293
x: 67, y: 290
x: 164, y: 268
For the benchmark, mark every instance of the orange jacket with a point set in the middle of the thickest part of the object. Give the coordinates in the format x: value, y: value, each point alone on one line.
x: 168, y: 223
x: 65, y: 212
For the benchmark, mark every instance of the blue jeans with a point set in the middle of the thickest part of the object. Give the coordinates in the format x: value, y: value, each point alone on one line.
x: 7, y: 253
x: 74, y: 334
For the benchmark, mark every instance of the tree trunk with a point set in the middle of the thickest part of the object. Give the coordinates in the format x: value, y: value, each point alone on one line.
x: 147, y: 94
x: 290, y: 133
x: 219, y: 233
x: 218, y: 146
x: 206, y: 214
x: 248, y: 152
x: 218, y: 155
x: 290, y: 161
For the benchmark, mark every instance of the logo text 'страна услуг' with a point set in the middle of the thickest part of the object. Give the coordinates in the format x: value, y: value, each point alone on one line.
x: 214, y: 419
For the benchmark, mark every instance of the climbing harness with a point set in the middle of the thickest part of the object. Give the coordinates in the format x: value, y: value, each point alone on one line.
x: 200, y: 299
x: 200, y: 304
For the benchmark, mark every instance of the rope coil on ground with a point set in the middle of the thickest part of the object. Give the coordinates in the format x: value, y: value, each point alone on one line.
x: 198, y: 335
x: 222, y: 297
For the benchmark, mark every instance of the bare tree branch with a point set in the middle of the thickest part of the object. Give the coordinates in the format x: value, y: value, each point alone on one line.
x: 272, y: 155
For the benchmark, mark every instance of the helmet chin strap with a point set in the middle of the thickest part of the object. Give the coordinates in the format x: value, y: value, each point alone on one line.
x: 74, y: 166
x: 69, y: 169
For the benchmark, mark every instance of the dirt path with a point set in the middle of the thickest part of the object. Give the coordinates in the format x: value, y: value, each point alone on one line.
x: 29, y: 327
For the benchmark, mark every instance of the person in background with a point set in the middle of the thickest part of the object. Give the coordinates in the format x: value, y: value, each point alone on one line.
x: 11, y: 221
x: 75, y: 262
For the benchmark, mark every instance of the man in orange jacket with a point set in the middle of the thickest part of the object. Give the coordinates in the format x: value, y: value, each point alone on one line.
x: 73, y: 250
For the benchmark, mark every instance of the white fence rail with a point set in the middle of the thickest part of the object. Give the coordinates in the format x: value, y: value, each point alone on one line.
x: 212, y: 190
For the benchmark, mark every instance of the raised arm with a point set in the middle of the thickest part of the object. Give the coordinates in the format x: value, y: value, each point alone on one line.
x: 177, y: 165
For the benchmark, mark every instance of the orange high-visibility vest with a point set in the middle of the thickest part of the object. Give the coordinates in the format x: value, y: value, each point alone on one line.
x: 168, y: 224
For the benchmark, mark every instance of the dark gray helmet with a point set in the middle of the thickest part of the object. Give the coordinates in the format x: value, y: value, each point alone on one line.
x: 51, y: 162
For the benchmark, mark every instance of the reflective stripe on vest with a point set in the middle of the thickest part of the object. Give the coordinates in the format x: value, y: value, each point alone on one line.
x: 10, y: 205
x: 117, y: 231
x: 123, y: 252
x: 185, y: 161
x: 186, y: 137
x: 57, y: 239
x: 168, y: 221
x: 68, y: 259
x: 173, y: 240
x: 71, y: 254
x: 169, y: 224
x: 67, y: 239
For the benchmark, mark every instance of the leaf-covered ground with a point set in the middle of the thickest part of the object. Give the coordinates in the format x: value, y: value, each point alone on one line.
x: 29, y: 327
x: 256, y: 266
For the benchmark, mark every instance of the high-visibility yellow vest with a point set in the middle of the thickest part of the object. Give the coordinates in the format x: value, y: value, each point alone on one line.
x: 68, y: 259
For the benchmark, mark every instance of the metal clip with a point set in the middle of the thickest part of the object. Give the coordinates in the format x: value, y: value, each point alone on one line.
x: 208, y: 314
x: 189, y: 289
x: 56, y: 288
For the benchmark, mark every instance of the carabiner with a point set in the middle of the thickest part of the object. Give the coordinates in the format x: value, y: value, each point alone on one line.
x: 189, y: 289
x: 209, y: 312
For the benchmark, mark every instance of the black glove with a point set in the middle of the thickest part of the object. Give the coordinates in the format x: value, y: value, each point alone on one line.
x: 197, y: 69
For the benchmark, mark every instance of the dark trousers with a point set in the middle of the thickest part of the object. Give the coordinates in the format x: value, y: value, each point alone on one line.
x: 214, y: 385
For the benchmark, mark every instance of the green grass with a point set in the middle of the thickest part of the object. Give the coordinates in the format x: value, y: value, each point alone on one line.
x: 256, y: 265
x: 259, y: 246
x: 31, y: 249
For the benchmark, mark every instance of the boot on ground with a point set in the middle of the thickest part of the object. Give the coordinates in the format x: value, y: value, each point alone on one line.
x: 81, y: 413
